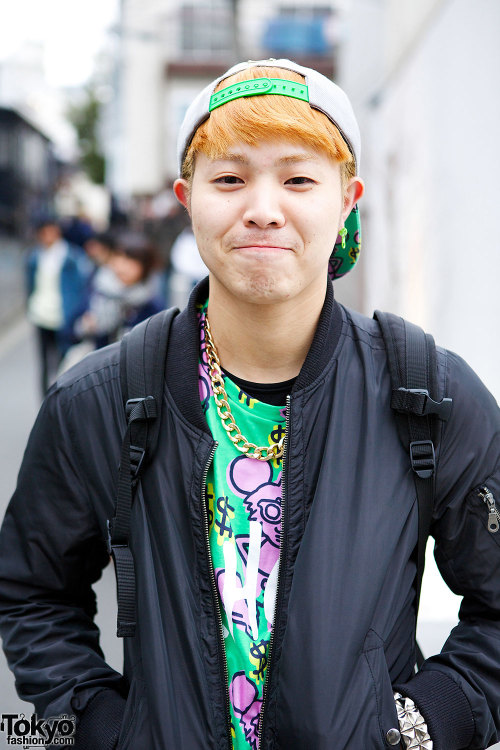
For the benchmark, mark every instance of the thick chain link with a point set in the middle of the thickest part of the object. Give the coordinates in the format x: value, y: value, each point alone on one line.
x: 264, y: 453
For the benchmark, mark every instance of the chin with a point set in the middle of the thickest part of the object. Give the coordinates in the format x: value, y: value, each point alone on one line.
x: 264, y: 289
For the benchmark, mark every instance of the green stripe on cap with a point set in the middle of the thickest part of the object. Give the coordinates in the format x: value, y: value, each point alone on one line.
x: 256, y: 86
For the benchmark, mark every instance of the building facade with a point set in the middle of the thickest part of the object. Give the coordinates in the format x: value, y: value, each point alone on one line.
x: 168, y: 51
x: 28, y: 172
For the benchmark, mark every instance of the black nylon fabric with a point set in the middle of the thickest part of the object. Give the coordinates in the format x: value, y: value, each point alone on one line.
x: 411, y: 356
x: 344, y: 624
x: 142, y: 393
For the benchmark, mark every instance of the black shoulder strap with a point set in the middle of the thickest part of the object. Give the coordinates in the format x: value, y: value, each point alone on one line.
x: 142, y: 371
x: 411, y: 357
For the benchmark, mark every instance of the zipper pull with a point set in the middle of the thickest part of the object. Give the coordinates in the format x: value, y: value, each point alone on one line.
x: 493, y: 514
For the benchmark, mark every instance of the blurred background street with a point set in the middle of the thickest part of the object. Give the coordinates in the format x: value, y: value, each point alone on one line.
x: 91, y: 98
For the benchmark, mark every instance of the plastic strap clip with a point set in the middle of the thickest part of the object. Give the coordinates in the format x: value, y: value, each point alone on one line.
x: 418, y: 401
x: 423, y: 458
x: 256, y: 86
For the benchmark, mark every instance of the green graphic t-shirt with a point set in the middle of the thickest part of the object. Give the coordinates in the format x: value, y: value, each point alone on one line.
x: 244, y: 512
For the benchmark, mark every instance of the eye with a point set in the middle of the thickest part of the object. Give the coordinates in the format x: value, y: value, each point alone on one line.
x: 228, y: 179
x: 300, y: 181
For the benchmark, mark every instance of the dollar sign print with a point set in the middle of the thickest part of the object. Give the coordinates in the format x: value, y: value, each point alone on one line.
x: 245, y: 398
x: 226, y: 512
x: 258, y: 656
x: 277, y: 433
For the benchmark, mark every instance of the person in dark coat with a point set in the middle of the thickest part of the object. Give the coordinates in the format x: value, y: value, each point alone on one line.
x: 273, y: 535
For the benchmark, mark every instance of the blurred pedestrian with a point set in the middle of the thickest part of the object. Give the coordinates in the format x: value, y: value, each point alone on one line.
x: 57, y: 277
x: 77, y: 229
x: 101, y: 302
x: 187, y: 268
x: 124, y: 290
x: 99, y: 248
x: 169, y: 220
x: 103, y: 285
x: 137, y: 266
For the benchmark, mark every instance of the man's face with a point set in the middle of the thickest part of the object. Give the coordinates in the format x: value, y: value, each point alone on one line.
x: 266, y: 219
x: 48, y: 234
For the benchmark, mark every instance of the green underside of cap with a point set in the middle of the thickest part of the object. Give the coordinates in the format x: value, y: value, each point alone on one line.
x: 256, y: 86
x: 343, y: 259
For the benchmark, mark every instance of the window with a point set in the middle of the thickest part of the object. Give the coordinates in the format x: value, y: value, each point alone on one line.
x: 300, y: 31
x: 206, y: 28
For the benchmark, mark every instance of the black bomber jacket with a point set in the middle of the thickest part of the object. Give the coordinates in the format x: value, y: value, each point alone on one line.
x: 344, y: 622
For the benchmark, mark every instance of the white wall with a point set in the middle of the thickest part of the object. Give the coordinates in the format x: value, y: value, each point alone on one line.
x: 134, y: 131
x: 142, y: 113
x: 431, y: 161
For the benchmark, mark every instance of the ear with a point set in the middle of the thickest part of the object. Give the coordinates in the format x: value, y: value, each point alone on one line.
x: 182, y: 193
x: 353, y: 192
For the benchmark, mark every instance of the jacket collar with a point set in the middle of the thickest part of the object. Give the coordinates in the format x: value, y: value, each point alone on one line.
x: 183, y: 352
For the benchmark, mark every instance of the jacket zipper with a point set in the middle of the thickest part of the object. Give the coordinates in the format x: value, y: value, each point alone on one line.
x: 215, y: 595
x: 278, y: 587
x: 493, y: 513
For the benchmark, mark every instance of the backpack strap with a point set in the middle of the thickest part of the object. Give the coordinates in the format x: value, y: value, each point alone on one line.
x: 142, y: 371
x: 412, y: 362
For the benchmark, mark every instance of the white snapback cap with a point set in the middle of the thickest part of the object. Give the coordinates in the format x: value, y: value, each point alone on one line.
x: 324, y: 95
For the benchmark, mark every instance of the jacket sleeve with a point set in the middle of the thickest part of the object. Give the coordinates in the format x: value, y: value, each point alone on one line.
x: 30, y: 271
x: 51, y: 551
x: 458, y: 690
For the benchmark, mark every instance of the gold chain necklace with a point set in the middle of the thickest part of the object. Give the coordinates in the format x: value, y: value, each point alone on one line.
x: 265, y: 453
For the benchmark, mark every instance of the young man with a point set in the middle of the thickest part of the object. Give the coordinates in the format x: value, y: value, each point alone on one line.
x: 274, y: 532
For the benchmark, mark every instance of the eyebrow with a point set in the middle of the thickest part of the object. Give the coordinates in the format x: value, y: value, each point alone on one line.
x: 294, y: 159
x: 284, y: 161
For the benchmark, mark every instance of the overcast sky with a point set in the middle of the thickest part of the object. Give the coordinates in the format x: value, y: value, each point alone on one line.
x: 73, y: 31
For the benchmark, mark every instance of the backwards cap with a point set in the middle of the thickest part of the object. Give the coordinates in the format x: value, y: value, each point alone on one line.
x: 321, y: 94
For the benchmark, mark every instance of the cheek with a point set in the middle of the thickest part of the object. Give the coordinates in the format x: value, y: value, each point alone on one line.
x: 210, y: 221
x: 135, y: 273
x: 321, y: 233
x: 319, y: 238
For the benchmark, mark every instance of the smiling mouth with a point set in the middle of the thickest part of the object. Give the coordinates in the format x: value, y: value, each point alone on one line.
x: 263, y: 248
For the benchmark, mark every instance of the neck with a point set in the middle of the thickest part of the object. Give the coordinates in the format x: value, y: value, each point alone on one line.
x: 263, y: 343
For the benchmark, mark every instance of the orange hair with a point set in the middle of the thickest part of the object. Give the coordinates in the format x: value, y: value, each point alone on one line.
x: 257, y: 118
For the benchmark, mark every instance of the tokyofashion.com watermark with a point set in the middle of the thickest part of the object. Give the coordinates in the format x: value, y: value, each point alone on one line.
x: 30, y: 731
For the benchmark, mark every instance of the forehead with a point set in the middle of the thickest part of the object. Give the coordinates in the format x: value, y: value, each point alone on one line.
x: 269, y: 154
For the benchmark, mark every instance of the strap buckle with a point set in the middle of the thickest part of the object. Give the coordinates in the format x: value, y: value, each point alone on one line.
x: 110, y: 543
x: 108, y: 539
x: 423, y: 458
x: 136, y: 458
x: 141, y: 408
x: 418, y: 401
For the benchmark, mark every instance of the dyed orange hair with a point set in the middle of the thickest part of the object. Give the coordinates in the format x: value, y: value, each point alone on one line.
x: 256, y: 118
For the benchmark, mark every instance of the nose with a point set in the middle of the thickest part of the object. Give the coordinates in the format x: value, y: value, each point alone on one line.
x: 263, y: 208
